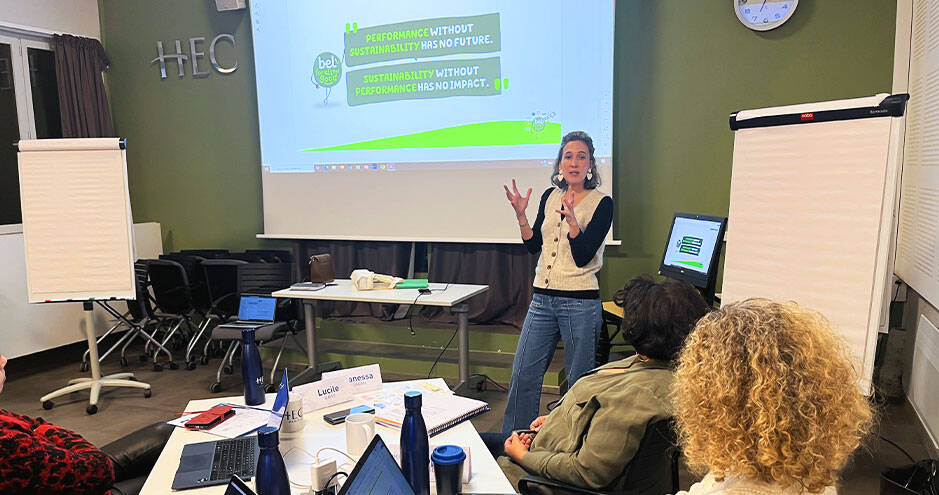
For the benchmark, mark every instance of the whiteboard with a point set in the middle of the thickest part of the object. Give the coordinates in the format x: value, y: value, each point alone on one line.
x: 918, y: 238
x: 77, y: 226
x: 810, y: 219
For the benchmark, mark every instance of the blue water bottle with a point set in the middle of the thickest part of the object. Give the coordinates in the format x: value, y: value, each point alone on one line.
x: 251, y: 376
x: 271, y: 473
x: 415, y: 453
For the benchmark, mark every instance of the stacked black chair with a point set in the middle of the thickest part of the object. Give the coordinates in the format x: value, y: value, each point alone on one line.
x: 251, y: 257
x: 273, y: 255
x: 141, y: 319
x: 221, y: 280
x: 138, y: 319
x: 172, y: 295
x: 652, y: 471
x: 206, y: 253
x: 201, y: 300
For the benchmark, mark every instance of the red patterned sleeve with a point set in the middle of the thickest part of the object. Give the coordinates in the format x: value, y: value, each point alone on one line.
x: 39, y: 457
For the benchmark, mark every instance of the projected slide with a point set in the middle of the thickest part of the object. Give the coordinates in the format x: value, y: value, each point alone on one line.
x: 692, y: 244
x: 381, y: 87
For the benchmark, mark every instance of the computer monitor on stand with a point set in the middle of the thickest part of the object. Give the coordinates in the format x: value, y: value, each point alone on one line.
x: 694, y: 250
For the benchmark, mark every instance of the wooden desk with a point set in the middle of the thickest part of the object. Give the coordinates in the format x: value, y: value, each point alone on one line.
x: 452, y: 296
x: 612, y: 310
x: 486, y: 476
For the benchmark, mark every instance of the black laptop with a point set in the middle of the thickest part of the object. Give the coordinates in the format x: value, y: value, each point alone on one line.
x: 376, y: 472
x: 214, y: 463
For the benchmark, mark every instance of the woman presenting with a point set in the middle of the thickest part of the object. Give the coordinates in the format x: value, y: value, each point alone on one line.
x: 572, y: 223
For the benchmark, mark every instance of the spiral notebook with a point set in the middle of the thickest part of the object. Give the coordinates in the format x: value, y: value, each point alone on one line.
x: 441, y: 410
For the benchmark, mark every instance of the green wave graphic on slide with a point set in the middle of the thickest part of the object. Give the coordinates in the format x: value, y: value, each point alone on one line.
x: 692, y: 263
x: 499, y: 133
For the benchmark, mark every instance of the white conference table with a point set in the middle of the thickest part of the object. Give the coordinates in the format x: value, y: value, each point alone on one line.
x: 452, y: 296
x: 486, y: 476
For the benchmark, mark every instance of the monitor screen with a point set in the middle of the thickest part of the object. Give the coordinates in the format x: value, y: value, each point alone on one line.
x: 693, y: 248
x: 256, y: 308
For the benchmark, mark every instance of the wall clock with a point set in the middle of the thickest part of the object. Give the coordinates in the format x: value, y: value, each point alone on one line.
x: 763, y: 15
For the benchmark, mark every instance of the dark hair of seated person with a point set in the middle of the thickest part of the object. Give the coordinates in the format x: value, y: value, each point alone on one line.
x: 659, y: 315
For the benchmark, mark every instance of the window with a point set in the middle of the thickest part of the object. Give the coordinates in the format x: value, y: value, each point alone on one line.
x: 29, y: 108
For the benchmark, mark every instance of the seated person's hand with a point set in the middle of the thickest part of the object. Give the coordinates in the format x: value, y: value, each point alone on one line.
x: 515, y: 447
x: 536, y: 424
x: 526, y: 439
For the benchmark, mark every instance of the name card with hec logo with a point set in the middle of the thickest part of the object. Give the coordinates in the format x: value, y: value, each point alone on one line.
x: 362, y: 379
x: 327, y: 392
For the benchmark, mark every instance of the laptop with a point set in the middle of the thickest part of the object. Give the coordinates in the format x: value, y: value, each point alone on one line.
x: 376, y: 472
x: 224, y: 461
x: 238, y: 487
x: 214, y: 463
x: 254, y: 312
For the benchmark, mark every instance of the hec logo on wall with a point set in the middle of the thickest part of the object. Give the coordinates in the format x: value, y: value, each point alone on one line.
x: 196, y: 44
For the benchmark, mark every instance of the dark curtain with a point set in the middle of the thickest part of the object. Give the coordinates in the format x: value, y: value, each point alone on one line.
x: 508, y: 270
x: 389, y: 258
x: 82, y: 99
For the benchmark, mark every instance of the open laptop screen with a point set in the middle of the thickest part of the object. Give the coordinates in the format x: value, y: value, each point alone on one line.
x: 256, y: 308
x: 376, y: 472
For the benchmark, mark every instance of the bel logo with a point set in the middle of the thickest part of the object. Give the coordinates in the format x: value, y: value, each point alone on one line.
x: 327, y: 69
x: 194, y: 56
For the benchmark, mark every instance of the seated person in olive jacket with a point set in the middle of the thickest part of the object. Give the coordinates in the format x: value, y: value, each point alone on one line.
x: 589, y: 439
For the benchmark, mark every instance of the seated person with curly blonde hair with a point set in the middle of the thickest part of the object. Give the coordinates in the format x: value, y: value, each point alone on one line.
x: 766, y: 401
x: 590, y: 439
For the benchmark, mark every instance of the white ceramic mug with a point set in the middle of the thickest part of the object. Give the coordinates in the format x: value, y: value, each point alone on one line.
x: 293, y: 415
x: 360, y: 428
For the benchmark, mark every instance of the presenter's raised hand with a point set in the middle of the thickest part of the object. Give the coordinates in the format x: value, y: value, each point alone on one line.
x: 567, y: 209
x: 519, y: 203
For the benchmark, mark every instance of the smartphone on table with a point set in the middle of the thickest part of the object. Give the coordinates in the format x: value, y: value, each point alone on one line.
x: 335, y: 418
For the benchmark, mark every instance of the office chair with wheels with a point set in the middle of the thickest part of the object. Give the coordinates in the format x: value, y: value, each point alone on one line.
x: 221, y: 278
x: 260, y: 279
x: 652, y: 471
x: 264, y: 279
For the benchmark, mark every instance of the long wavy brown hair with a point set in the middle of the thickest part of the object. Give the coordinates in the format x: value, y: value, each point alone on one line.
x: 766, y: 391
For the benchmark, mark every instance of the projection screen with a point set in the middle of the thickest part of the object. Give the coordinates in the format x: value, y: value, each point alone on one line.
x: 403, y: 120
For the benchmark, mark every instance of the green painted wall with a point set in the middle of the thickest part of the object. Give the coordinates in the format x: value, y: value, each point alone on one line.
x: 193, y: 150
x: 681, y: 67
